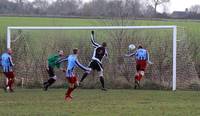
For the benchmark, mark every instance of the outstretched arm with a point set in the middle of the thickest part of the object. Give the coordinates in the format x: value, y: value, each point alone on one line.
x: 82, y: 67
x: 94, y: 44
x: 62, y: 60
x: 129, y: 55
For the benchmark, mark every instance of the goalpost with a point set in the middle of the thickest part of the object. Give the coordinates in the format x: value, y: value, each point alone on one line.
x: 173, y: 27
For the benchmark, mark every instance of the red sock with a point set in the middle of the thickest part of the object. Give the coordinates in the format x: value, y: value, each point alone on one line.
x: 10, y: 83
x: 140, y: 77
x: 69, y: 91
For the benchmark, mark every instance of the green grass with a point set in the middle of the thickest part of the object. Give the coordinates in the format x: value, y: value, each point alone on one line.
x: 97, y: 103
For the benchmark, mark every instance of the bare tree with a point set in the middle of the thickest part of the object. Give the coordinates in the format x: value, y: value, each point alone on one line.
x: 41, y: 6
x: 7, y: 6
x: 114, y: 8
x: 99, y: 7
x: 195, y: 9
x: 65, y: 7
x: 148, y: 11
x: 156, y: 3
x: 133, y: 7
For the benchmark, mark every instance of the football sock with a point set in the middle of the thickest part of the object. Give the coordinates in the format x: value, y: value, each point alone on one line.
x: 51, y: 81
x: 69, y: 91
x: 102, y: 81
x: 10, y: 83
x: 83, y: 77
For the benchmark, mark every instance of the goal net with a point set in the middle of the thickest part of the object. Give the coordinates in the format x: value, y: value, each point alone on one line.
x: 32, y: 46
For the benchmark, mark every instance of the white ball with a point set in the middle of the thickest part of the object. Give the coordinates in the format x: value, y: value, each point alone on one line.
x: 131, y: 47
x: 7, y: 88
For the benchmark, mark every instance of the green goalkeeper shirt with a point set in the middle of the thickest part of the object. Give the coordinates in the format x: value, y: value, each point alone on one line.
x: 52, y: 61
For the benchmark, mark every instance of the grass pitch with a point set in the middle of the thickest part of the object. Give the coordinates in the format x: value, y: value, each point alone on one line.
x: 35, y: 102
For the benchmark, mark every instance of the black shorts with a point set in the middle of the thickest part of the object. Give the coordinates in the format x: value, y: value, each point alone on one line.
x: 95, y: 65
x: 51, y: 71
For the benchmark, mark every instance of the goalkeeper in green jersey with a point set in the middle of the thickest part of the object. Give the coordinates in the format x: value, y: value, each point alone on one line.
x: 52, y: 63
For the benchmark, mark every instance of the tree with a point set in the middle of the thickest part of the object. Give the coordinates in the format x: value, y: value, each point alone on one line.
x: 148, y: 11
x: 195, y: 9
x: 99, y: 7
x: 114, y: 8
x: 65, y: 7
x: 7, y: 7
x: 156, y: 3
x: 133, y: 7
x: 41, y: 6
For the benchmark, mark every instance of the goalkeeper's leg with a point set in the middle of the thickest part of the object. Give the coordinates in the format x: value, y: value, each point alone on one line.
x: 49, y: 82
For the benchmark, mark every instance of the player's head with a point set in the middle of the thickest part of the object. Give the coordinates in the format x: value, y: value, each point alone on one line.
x: 140, y: 46
x: 75, y: 51
x: 104, y: 44
x: 60, y: 52
x: 9, y: 51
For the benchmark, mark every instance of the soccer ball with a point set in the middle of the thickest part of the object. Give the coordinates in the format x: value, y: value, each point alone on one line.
x: 131, y: 47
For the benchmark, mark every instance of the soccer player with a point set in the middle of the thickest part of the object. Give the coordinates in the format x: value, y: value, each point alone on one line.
x: 96, y: 64
x: 141, y: 57
x: 7, y: 65
x: 52, y: 63
x: 70, y: 75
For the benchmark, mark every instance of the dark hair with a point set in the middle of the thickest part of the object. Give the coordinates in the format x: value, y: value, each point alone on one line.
x: 75, y: 50
x: 104, y: 44
x: 140, y: 46
x: 60, y: 51
x: 92, y: 32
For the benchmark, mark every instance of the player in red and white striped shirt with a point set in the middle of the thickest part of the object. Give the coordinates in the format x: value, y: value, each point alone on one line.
x: 141, y: 57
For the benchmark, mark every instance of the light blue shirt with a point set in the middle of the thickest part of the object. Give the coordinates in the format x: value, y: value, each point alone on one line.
x: 72, y: 63
x: 6, y: 62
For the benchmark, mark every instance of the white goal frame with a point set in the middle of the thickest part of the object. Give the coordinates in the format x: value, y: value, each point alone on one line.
x: 173, y: 27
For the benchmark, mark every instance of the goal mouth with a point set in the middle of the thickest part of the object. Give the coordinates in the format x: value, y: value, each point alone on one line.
x: 105, y: 29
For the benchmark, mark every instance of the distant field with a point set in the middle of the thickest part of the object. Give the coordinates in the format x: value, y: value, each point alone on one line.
x: 190, y: 25
x: 192, y: 28
x: 97, y: 103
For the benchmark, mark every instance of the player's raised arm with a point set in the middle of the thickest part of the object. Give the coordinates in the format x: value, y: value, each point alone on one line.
x: 94, y: 44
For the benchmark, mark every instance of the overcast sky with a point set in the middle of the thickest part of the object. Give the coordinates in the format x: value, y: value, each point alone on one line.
x: 180, y: 5
x: 174, y: 5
